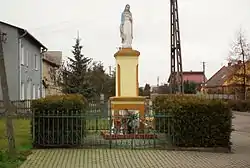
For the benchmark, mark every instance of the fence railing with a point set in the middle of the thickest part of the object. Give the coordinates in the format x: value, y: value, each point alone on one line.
x: 216, y: 96
x: 53, y: 129
x: 206, y: 96
x: 23, y: 108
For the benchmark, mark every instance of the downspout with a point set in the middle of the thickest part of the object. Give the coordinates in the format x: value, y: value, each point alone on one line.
x: 19, y: 61
x: 41, y: 70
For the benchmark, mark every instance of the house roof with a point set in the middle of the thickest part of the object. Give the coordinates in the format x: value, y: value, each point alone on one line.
x: 25, y: 31
x: 53, y: 57
x: 193, y: 76
x: 221, y: 76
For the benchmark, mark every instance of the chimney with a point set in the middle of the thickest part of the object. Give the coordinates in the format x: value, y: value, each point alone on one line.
x: 229, y: 63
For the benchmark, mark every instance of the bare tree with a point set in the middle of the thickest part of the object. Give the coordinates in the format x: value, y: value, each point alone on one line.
x: 239, y: 55
x: 6, y: 99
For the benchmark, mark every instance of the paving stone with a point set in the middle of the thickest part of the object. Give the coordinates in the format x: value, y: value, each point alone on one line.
x: 126, y: 158
x: 95, y: 158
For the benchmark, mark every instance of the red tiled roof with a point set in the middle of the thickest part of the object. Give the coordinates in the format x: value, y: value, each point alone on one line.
x: 219, y: 78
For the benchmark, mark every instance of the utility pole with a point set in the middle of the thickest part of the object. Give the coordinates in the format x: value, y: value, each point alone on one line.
x: 204, y: 69
x: 158, y: 80
x: 109, y: 70
x: 6, y: 99
x: 176, y: 76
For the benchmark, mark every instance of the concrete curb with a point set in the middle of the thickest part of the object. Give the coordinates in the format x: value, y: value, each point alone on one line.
x: 212, y: 150
x: 242, y: 113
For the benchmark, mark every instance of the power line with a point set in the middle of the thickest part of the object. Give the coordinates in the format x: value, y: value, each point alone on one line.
x: 57, y: 30
x: 50, y: 25
x: 55, y: 24
x: 58, y: 27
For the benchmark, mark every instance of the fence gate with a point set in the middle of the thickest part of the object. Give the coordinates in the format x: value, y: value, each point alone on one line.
x: 97, y: 128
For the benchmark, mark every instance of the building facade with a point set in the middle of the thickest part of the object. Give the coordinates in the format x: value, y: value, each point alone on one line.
x: 52, y: 61
x: 196, y: 77
x: 23, y: 63
x: 229, y: 79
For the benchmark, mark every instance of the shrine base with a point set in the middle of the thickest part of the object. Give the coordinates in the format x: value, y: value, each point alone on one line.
x: 109, y: 136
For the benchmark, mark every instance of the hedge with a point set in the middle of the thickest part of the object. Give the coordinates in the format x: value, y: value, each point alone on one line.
x: 58, y: 121
x: 196, y: 122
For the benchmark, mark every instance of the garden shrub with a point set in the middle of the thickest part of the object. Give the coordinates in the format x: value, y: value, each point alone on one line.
x: 196, y: 122
x: 58, y: 120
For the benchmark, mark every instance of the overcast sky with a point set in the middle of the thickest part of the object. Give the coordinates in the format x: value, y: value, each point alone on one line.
x: 207, y: 27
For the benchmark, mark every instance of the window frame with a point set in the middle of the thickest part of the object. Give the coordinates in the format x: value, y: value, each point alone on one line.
x: 22, y: 53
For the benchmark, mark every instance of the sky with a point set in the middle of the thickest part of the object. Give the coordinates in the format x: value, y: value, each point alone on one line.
x: 208, y: 29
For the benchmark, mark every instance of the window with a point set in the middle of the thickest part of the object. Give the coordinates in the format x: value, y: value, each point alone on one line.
x: 28, y: 91
x: 43, y: 91
x: 22, y: 91
x: 34, y: 91
x: 27, y: 58
x: 38, y: 91
x: 35, y: 62
x: 22, y: 55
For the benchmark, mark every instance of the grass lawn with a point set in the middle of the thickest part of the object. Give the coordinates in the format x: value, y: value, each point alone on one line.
x: 97, y: 124
x: 23, y: 143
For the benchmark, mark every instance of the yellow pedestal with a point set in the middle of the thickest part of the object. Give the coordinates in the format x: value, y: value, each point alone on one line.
x: 127, y: 62
x: 130, y: 103
x: 127, y: 86
x: 119, y: 104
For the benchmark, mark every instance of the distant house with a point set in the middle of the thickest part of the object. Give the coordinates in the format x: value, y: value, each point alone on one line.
x: 23, y: 62
x: 196, y: 77
x: 154, y: 88
x: 229, y: 79
x: 52, y: 61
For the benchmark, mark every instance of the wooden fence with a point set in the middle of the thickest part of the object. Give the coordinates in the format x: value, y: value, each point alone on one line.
x: 23, y: 107
x: 206, y: 96
x: 216, y: 96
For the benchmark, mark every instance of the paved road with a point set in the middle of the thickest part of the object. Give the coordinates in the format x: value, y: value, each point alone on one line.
x: 242, y: 122
x: 102, y: 158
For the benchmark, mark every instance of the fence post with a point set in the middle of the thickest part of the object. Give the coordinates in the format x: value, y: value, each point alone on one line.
x: 33, y: 126
x: 110, y: 130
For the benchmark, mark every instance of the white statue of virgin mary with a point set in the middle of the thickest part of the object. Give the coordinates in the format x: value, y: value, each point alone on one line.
x: 126, y: 28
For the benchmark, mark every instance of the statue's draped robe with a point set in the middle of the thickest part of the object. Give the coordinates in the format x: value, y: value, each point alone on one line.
x: 126, y: 29
x: 134, y: 121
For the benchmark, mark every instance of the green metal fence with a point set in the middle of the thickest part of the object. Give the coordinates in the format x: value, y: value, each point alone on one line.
x: 95, y: 128
x: 101, y: 131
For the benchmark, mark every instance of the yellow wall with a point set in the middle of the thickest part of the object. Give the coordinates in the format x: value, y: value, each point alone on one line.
x: 236, y: 79
x: 117, y: 82
x: 128, y: 76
